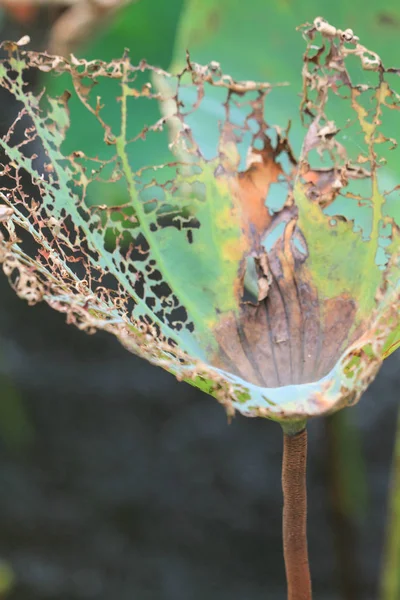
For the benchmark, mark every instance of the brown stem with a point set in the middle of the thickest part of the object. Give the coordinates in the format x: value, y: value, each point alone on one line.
x: 295, y: 516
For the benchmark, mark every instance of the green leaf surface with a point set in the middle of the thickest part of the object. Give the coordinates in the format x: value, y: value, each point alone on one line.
x: 148, y: 30
x: 259, y: 42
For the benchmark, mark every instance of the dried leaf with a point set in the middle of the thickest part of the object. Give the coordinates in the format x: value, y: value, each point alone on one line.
x: 268, y: 280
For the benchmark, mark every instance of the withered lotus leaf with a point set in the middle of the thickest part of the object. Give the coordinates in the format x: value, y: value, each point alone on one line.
x: 267, y: 277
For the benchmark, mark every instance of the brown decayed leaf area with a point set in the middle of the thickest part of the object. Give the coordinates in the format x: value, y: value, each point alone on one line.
x: 290, y: 335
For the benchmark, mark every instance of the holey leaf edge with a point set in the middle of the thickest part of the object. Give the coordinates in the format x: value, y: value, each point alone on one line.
x: 268, y: 280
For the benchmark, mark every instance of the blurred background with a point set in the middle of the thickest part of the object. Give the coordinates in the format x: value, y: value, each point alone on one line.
x: 116, y: 481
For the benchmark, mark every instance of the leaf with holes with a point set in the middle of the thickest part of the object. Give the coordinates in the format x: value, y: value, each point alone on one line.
x: 269, y: 280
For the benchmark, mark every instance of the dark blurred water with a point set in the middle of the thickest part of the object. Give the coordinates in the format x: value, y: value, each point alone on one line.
x: 135, y: 486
